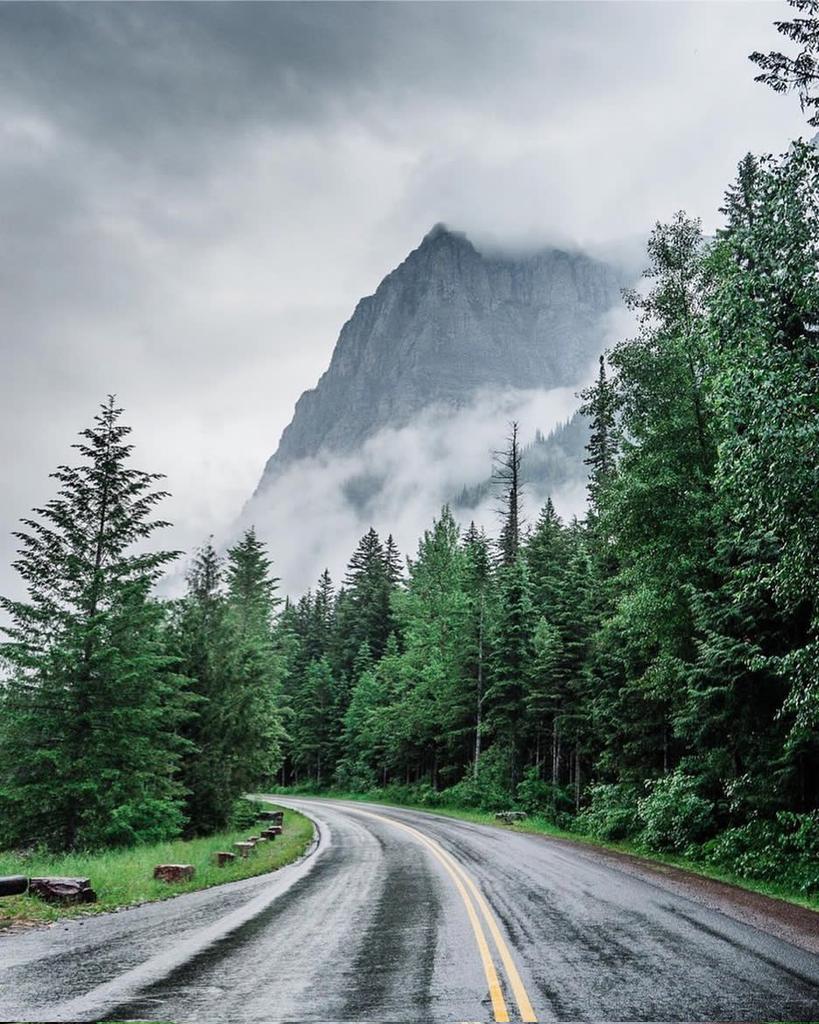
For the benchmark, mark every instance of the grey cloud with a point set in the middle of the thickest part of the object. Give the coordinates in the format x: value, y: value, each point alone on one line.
x: 194, y: 196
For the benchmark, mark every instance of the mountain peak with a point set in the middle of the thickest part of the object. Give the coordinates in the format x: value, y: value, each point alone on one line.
x: 440, y: 231
x: 445, y: 325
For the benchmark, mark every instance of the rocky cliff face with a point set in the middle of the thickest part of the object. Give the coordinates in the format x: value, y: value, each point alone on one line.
x: 446, y: 323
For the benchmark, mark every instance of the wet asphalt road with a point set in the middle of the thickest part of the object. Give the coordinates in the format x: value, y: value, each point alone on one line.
x: 403, y: 916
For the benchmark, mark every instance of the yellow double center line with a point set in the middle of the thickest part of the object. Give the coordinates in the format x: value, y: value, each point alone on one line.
x: 469, y: 892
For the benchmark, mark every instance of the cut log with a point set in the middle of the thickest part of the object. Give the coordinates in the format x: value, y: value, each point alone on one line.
x: 223, y: 858
x: 63, y: 890
x: 244, y: 849
x: 13, y: 885
x: 510, y: 816
x: 174, y: 872
x: 270, y: 833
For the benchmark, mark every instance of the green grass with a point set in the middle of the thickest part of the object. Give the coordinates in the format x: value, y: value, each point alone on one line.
x: 123, y: 878
x: 537, y: 825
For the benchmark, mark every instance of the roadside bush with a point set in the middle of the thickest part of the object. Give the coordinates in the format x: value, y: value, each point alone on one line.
x: 244, y: 813
x: 612, y: 813
x: 489, y: 789
x: 673, y: 814
x: 355, y: 777
x: 784, y: 849
x: 537, y: 796
x: 134, y: 824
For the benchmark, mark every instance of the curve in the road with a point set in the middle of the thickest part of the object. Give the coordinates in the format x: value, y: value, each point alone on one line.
x: 465, y: 886
x: 402, y: 916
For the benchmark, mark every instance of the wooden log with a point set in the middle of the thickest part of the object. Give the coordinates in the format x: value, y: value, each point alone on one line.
x: 63, y: 890
x: 13, y: 885
x: 223, y: 858
x: 510, y: 816
x: 270, y: 833
x: 174, y: 872
x: 244, y: 849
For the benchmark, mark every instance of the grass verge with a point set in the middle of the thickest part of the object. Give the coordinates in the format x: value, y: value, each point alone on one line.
x: 537, y: 825
x: 123, y: 878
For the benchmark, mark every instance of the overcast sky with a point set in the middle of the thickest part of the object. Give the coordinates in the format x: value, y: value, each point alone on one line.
x: 193, y: 197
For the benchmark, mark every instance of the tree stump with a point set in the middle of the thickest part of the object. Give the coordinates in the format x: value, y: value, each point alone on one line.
x: 244, y: 849
x: 174, y: 872
x: 63, y: 890
x: 223, y: 858
x: 270, y: 833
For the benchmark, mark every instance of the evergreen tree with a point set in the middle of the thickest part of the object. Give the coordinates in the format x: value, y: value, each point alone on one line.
x: 89, y: 750
x: 799, y: 74
x: 394, y: 563
x: 512, y: 660
x: 252, y: 721
x: 600, y: 403
x: 506, y: 476
x: 364, y: 613
x: 198, y: 635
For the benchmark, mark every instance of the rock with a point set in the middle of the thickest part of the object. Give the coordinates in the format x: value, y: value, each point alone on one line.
x: 63, y: 890
x: 174, y: 872
x: 223, y: 858
x: 13, y: 885
x: 244, y: 849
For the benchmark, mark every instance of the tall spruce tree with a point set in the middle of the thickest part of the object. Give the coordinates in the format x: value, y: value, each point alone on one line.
x: 251, y: 719
x: 89, y: 711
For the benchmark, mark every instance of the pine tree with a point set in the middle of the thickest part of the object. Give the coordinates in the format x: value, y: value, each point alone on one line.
x: 364, y: 613
x: 394, y: 563
x: 546, y: 552
x: 512, y: 660
x: 251, y: 719
x: 198, y: 634
x: 600, y: 406
x: 91, y: 707
x: 506, y: 476
x: 799, y: 74
x: 478, y: 586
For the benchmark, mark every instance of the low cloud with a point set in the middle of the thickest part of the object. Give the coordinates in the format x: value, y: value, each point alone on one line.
x: 314, y: 512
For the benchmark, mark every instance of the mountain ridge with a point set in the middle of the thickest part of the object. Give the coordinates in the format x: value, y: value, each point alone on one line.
x: 445, y: 323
